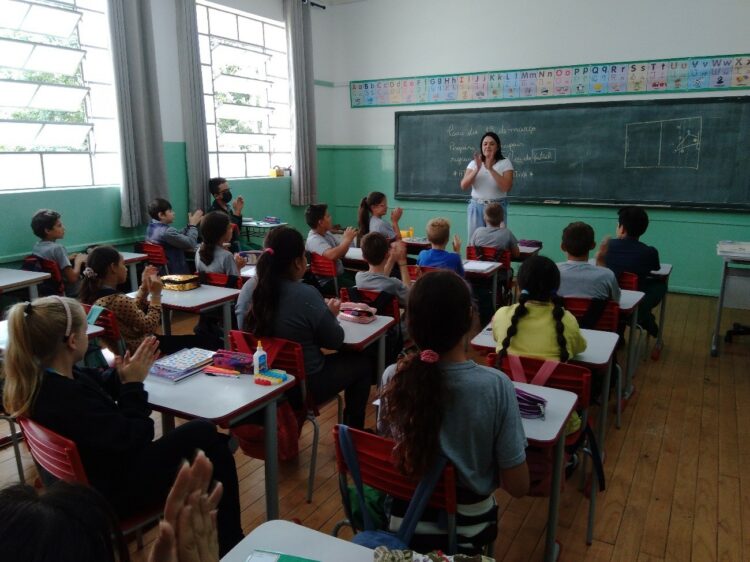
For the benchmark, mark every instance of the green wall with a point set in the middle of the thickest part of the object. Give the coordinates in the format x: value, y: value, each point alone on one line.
x: 686, y: 239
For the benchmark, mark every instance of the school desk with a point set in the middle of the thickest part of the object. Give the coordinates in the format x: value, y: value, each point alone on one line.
x: 416, y: 244
x: 259, y: 229
x: 476, y: 269
x: 295, y: 540
x: 11, y: 279
x: 359, y: 336
x: 527, y: 252
x: 629, y: 301
x: 196, y: 301
x: 735, y: 283
x: 662, y: 274
x: 224, y: 401
x: 130, y: 260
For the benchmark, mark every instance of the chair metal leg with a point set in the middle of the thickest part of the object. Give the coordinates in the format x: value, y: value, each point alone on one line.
x: 313, y: 458
x: 16, y: 448
x: 340, y: 404
x: 618, y: 408
x: 339, y: 525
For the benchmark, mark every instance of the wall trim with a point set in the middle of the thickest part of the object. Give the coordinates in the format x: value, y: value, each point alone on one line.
x: 356, y: 147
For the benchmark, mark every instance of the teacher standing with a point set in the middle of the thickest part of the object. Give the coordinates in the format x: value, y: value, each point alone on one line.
x: 490, y: 177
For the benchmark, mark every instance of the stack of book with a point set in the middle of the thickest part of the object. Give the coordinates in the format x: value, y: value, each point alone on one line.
x: 182, y: 364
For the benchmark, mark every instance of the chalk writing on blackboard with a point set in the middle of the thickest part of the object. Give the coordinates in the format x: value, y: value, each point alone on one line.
x: 667, y: 143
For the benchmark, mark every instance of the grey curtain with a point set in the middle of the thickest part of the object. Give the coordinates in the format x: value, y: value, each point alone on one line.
x: 193, y: 110
x: 143, y: 169
x: 302, y: 98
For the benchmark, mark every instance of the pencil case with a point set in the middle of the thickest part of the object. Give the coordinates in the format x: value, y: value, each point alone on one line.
x: 242, y: 362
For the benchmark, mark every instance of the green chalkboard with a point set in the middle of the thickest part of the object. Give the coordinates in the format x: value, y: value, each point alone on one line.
x: 677, y: 153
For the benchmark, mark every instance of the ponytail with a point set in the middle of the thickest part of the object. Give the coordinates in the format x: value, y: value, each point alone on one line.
x: 35, y: 333
x: 557, y: 314
x: 365, y: 210
x: 97, y: 264
x: 519, y: 313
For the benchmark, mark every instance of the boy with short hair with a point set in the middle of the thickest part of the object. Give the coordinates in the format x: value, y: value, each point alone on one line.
x: 380, y: 257
x: 579, y: 278
x: 175, y: 242
x: 47, y: 225
x: 222, y: 195
x: 628, y: 253
x: 320, y: 240
x: 495, y: 234
x: 438, y: 233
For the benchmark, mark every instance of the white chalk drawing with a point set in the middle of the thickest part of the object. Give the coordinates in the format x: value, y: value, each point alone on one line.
x: 544, y: 155
x: 668, y: 143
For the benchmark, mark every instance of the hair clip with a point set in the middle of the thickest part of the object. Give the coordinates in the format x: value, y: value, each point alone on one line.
x: 89, y: 273
x: 525, y: 292
x: 29, y: 309
x: 429, y: 356
x: 268, y: 251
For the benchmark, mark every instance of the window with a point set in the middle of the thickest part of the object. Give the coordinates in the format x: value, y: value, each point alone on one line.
x: 58, y: 112
x: 246, y: 91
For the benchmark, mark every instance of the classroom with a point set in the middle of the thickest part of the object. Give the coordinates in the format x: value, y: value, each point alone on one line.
x: 356, y: 153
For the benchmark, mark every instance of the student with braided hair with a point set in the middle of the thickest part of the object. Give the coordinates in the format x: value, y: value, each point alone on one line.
x: 538, y: 326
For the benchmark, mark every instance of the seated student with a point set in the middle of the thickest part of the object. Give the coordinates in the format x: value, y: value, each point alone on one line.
x: 495, y: 235
x: 47, y: 225
x: 219, y: 189
x: 212, y: 257
x: 106, y: 413
x: 372, y: 209
x: 439, y: 401
x: 538, y: 326
x: 276, y: 304
x: 579, y: 278
x: 438, y: 233
x: 628, y: 253
x: 380, y: 258
x: 320, y: 240
x: 160, y: 231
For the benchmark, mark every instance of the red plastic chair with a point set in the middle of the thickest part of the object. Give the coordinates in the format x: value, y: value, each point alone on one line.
x: 393, y: 310
x: 375, y: 457
x: 156, y: 254
x: 287, y: 355
x: 52, y: 286
x: 222, y: 280
x: 324, y: 268
x: 575, y: 379
x: 628, y: 281
x: 59, y: 457
x: 415, y: 272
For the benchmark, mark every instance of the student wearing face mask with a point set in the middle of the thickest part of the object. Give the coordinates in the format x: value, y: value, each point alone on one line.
x: 222, y: 197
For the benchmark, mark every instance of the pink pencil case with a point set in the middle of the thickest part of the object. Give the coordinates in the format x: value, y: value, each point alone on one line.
x: 357, y: 312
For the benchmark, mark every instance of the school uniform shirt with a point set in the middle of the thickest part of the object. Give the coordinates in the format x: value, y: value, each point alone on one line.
x: 175, y: 242
x: 441, y: 259
x: 108, y: 420
x: 631, y: 255
x: 320, y: 244
x: 485, y: 187
x: 582, y: 279
x: 379, y: 225
x: 223, y: 262
x: 235, y: 219
x: 536, y: 335
x: 136, y: 317
x: 370, y: 281
x: 493, y: 237
x: 52, y: 251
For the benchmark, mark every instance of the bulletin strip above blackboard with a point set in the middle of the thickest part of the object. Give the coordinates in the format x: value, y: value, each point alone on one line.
x: 663, y: 76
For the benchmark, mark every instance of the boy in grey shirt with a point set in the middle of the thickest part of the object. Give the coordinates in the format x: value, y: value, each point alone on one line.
x: 381, y: 258
x: 47, y: 225
x: 495, y: 235
x: 579, y: 278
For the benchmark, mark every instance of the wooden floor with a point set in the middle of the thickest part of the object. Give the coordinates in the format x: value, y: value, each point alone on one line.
x: 678, y: 476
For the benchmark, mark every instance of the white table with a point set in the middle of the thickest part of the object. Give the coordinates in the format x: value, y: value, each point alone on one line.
x: 482, y: 270
x: 560, y: 404
x: 629, y: 301
x: 91, y: 331
x: 736, y: 257
x: 130, y: 260
x: 11, y: 279
x: 224, y: 401
x: 527, y: 252
x: 355, y: 254
x: 359, y: 336
x: 416, y: 244
x: 663, y: 274
x: 248, y: 271
x: 199, y: 300
x: 259, y: 229
x: 296, y: 540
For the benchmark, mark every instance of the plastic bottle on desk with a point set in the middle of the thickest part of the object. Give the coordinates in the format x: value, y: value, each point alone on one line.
x: 260, y: 360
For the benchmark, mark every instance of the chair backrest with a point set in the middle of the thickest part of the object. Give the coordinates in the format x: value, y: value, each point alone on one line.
x: 56, y: 454
x: 52, y: 286
x: 155, y: 252
x: 628, y: 281
x: 323, y: 267
x: 488, y: 253
x: 608, y: 320
x: 573, y: 378
x: 375, y: 455
x: 221, y: 280
x: 392, y: 309
x: 106, y: 319
x: 282, y: 354
x: 414, y: 272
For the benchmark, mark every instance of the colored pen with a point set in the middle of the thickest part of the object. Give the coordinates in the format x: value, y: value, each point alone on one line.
x: 223, y: 375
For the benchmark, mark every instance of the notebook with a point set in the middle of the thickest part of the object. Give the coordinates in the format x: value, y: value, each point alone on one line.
x: 182, y: 364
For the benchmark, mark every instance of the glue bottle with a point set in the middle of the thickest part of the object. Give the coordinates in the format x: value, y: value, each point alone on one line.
x: 260, y: 360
